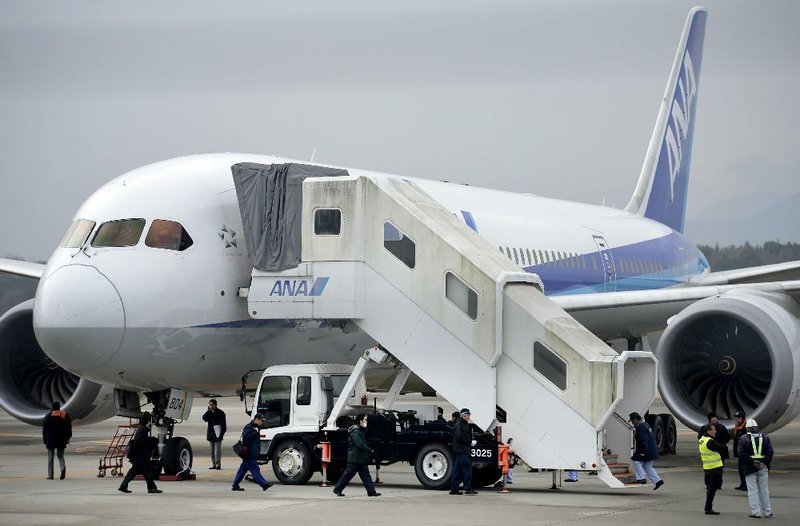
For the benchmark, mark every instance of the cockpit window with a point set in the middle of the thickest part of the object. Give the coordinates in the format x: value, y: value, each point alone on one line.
x: 169, y: 235
x: 121, y: 233
x: 77, y: 233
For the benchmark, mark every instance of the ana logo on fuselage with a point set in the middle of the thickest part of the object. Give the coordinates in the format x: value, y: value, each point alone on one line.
x: 298, y: 287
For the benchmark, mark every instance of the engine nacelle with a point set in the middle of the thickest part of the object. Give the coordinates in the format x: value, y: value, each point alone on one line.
x: 30, y: 381
x: 738, y: 351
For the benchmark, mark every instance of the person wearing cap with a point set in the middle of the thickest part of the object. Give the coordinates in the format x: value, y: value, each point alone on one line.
x: 739, y: 430
x: 711, y: 455
x: 646, y: 451
x: 251, y: 449
x: 56, y: 434
x: 358, y: 457
x: 215, y: 417
x: 140, y: 453
x: 462, y: 443
x: 755, y: 450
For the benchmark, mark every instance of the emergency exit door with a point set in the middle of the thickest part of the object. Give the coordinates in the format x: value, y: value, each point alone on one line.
x: 607, y: 261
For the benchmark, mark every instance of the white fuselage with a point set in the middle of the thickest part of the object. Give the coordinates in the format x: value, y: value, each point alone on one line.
x: 145, y: 318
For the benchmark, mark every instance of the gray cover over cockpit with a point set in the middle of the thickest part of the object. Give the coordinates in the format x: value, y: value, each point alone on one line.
x: 271, y: 203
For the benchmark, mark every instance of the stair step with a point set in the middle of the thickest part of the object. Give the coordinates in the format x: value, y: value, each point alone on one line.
x: 626, y: 477
x: 610, y: 459
x: 619, y: 468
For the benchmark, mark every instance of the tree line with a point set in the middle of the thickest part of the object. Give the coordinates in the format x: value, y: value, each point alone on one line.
x: 747, y: 255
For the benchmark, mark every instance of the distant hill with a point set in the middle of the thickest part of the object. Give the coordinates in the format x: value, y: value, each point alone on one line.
x: 747, y: 255
x: 756, y: 218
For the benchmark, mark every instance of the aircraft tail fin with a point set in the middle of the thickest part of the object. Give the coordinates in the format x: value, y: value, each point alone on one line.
x: 661, y: 190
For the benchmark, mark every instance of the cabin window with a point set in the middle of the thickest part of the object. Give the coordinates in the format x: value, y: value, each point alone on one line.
x: 528, y: 252
x: 327, y: 222
x: 516, y: 259
x: 273, y: 400
x: 121, y: 233
x: 550, y: 365
x: 461, y: 295
x: 77, y: 233
x: 168, y: 235
x: 541, y: 257
x: 508, y: 252
x: 303, y: 390
x: 399, y: 245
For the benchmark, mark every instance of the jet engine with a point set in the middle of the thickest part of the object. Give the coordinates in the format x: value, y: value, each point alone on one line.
x: 30, y: 381
x: 736, y: 351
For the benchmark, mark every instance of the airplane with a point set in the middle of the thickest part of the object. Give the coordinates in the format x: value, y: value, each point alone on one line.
x: 141, y: 294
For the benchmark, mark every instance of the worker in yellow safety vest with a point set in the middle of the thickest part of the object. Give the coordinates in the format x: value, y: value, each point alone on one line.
x: 711, y: 453
x: 756, y: 452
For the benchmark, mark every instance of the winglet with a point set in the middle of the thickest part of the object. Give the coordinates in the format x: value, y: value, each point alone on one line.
x: 661, y: 190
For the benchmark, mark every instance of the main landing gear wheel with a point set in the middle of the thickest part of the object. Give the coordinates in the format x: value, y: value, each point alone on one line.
x: 670, y: 434
x: 292, y: 462
x: 177, y: 456
x: 434, y: 466
x: 657, y: 425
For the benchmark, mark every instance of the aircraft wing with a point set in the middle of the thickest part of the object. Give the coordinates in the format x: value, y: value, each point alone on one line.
x: 21, y: 268
x: 789, y: 270
x: 635, y: 313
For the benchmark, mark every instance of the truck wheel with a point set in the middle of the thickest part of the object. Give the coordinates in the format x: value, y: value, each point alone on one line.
x: 670, y: 434
x: 177, y: 455
x: 434, y: 466
x: 291, y: 462
x: 485, y: 476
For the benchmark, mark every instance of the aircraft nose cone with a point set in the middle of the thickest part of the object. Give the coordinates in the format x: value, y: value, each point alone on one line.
x: 78, y: 318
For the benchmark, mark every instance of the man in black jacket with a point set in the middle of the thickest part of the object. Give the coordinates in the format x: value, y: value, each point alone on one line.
x: 56, y: 433
x: 755, y: 450
x: 251, y: 446
x: 215, y: 432
x: 140, y: 452
x: 462, y: 444
x: 646, y: 451
x: 739, y: 430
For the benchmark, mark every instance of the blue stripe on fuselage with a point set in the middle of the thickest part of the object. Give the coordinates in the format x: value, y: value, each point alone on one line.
x: 677, y: 258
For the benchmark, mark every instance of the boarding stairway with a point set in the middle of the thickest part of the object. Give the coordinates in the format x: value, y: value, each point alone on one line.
x: 463, y: 318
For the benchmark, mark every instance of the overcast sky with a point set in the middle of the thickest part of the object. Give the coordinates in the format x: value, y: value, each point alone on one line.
x: 557, y: 98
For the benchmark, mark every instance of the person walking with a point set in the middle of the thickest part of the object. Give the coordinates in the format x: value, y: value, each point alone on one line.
x: 358, y: 455
x: 215, y: 417
x: 645, y: 452
x: 739, y: 430
x: 249, y: 452
x: 56, y: 434
x: 711, y: 455
x: 755, y: 450
x: 462, y: 443
x: 140, y: 451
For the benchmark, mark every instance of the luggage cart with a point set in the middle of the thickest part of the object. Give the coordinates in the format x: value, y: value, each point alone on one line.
x: 115, y: 454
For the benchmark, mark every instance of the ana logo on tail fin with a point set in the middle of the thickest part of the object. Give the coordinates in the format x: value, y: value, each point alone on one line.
x: 661, y: 191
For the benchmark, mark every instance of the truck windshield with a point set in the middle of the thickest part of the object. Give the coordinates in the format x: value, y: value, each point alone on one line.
x: 338, y: 381
x: 273, y: 400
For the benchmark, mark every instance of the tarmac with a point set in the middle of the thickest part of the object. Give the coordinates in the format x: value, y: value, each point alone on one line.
x: 26, y: 497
